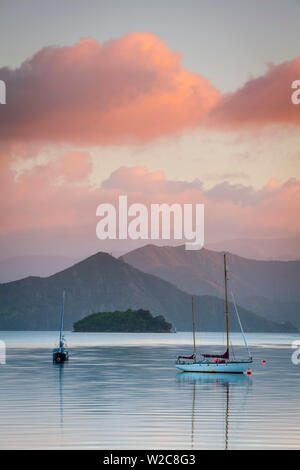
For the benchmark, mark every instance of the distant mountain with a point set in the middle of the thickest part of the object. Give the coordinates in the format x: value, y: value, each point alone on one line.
x: 102, y: 283
x: 18, y: 267
x: 270, y: 288
x: 284, y: 249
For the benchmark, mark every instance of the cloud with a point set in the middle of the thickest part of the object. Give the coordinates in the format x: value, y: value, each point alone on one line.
x: 131, y: 90
x: 138, y: 179
x: 48, y: 205
x: 75, y: 166
x: 246, y: 195
x: 43, y: 196
x: 128, y: 90
x: 238, y: 193
x: 265, y: 100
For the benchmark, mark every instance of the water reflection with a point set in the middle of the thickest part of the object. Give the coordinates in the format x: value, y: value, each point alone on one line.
x: 60, y: 370
x: 126, y: 397
x: 223, y: 381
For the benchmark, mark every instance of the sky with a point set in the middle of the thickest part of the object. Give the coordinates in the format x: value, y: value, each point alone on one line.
x: 238, y: 36
x: 167, y: 101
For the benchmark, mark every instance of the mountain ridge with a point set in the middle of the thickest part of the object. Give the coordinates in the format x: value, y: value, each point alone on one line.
x: 103, y: 283
x: 259, y: 285
x: 277, y: 249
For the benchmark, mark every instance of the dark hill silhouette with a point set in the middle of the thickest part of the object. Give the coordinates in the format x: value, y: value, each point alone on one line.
x: 103, y: 283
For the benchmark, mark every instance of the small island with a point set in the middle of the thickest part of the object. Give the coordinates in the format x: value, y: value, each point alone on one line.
x: 130, y: 321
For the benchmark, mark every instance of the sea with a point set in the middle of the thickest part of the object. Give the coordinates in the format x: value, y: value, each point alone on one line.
x: 122, y: 391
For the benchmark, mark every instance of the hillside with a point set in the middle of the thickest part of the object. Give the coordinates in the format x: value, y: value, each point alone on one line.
x: 283, y: 249
x: 270, y: 288
x: 103, y: 283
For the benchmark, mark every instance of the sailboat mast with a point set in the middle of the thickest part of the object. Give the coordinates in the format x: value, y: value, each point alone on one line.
x: 194, y: 326
x: 62, y: 320
x: 226, y: 301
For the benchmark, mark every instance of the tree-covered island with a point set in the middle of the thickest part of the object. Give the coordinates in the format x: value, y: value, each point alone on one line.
x: 130, y: 321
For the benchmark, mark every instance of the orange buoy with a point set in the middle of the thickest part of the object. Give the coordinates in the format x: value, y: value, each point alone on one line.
x: 249, y: 372
x: 264, y: 361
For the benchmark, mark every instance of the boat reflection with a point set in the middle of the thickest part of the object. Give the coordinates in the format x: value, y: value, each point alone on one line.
x: 60, y: 366
x: 208, y: 378
x: 224, y: 381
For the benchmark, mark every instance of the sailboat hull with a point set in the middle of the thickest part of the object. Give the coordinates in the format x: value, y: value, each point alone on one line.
x: 60, y: 355
x: 230, y: 367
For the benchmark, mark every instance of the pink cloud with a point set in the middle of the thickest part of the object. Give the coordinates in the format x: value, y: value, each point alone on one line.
x: 43, y: 196
x: 131, y: 89
x: 261, y: 101
x: 138, y: 179
x: 75, y: 166
x: 39, y: 203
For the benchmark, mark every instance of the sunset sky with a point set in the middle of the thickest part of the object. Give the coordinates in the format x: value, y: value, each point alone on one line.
x: 165, y: 101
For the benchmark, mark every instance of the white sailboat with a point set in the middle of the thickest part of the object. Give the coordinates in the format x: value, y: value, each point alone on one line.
x: 221, y: 363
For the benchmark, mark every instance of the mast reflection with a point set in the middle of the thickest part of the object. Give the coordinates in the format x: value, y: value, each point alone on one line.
x: 60, y: 367
x: 225, y: 381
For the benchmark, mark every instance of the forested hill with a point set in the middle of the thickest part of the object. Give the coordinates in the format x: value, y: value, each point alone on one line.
x: 131, y: 321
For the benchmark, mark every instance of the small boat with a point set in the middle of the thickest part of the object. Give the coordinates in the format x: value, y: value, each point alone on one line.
x: 60, y: 353
x: 221, y: 363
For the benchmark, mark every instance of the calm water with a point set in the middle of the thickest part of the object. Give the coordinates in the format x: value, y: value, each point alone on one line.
x: 122, y: 391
